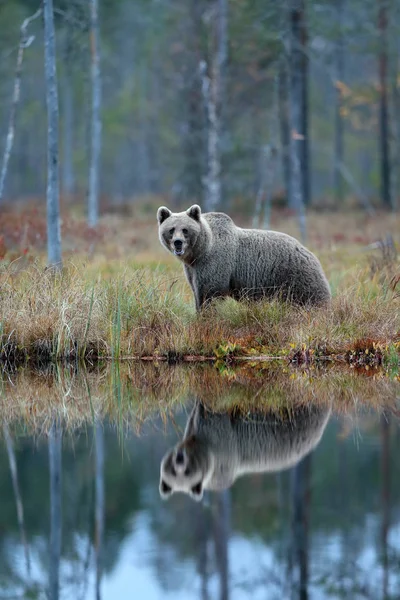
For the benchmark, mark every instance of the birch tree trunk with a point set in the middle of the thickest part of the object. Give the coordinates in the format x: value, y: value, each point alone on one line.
x: 68, y: 121
x: 338, y: 158
x: 211, y: 78
x: 53, y: 187
x: 298, y: 83
x: 395, y: 79
x: 24, y: 42
x: 95, y: 141
x: 55, y: 464
x: 284, y: 125
x: 383, y: 105
x: 305, y: 154
x: 100, y: 506
x: 210, y: 95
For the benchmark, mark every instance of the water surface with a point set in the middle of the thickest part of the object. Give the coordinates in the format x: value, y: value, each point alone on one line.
x: 305, y: 498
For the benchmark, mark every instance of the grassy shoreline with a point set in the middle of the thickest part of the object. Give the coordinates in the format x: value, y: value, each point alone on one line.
x: 147, y: 313
x: 122, y: 296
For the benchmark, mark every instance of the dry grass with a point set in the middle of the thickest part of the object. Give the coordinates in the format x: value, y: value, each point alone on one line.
x: 128, y: 394
x: 121, y: 295
x: 145, y: 312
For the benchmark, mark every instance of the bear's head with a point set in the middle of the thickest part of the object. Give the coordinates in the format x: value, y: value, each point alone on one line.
x: 184, y: 469
x: 179, y: 232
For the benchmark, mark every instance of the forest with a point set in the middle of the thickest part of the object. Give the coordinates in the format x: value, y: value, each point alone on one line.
x: 196, y: 100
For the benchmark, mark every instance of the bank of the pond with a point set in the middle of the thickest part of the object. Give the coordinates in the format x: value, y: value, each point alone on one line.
x: 147, y: 313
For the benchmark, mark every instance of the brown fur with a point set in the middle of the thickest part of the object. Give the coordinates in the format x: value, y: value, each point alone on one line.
x: 218, y: 448
x: 221, y: 259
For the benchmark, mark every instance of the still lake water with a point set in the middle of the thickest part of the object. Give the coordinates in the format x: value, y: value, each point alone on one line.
x: 308, y: 498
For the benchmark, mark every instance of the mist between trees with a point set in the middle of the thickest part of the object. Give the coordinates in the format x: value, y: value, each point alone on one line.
x: 212, y: 100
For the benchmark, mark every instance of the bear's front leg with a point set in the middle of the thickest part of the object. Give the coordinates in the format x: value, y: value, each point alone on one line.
x: 205, y: 293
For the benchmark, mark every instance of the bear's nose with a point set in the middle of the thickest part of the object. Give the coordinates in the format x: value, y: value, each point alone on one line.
x: 178, y: 244
x: 180, y: 457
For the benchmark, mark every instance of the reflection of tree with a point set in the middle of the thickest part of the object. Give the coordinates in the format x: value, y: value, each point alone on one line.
x: 385, y: 495
x: 185, y: 533
x: 301, y: 497
x: 221, y: 527
x: 100, y: 506
x: 203, y: 535
x: 55, y: 463
x: 18, y: 498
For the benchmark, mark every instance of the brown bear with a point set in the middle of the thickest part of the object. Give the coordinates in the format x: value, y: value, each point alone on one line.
x: 219, y: 447
x: 221, y: 259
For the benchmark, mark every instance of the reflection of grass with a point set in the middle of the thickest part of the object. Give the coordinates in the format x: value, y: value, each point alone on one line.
x: 131, y: 299
x: 130, y: 393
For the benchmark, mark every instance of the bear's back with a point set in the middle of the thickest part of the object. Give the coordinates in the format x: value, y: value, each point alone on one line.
x: 258, y: 442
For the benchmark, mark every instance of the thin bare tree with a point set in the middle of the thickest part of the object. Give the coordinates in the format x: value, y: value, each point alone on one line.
x: 212, y: 80
x: 298, y: 110
x: 95, y: 138
x: 212, y: 178
x: 284, y: 124
x: 338, y: 157
x: 383, y: 104
x: 24, y: 43
x: 53, y: 185
x: 68, y: 180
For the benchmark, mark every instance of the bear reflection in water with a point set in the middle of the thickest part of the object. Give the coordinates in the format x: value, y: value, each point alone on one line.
x: 217, y: 448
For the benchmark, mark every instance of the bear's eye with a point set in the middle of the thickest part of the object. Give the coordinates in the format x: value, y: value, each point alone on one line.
x: 172, y: 230
x: 184, y: 231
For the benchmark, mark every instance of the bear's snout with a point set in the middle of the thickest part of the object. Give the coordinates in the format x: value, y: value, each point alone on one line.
x: 180, y: 457
x: 178, y: 244
x: 180, y: 460
x: 178, y: 247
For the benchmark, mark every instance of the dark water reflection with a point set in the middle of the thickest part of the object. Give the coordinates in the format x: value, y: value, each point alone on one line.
x: 296, y: 500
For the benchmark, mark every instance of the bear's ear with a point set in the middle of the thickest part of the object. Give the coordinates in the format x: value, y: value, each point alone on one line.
x: 162, y: 214
x: 194, y: 212
x: 197, y: 491
x: 165, y: 490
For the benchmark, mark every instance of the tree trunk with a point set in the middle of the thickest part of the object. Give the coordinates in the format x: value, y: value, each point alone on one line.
x: 284, y: 126
x: 383, y: 106
x: 53, y: 188
x: 298, y: 110
x: 55, y: 463
x: 305, y: 154
x: 395, y: 123
x: 210, y: 97
x: 338, y: 158
x: 24, y: 42
x: 100, y: 506
x: 68, y: 168
x: 95, y: 142
x: 222, y: 57
x: 212, y: 88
